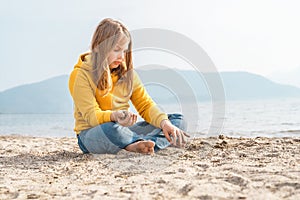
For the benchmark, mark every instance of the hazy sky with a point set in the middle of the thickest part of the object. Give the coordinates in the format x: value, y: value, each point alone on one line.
x: 42, y: 39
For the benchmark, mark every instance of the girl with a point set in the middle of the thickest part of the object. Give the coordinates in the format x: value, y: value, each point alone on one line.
x: 101, y: 85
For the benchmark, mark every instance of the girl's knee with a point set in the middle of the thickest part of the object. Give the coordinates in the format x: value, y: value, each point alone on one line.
x: 109, y: 127
x: 176, y: 116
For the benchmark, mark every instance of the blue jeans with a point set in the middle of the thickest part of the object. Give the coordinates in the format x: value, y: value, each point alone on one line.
x: 111, y: 137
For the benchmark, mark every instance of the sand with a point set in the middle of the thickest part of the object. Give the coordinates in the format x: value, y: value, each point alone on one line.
x: 208, y: 168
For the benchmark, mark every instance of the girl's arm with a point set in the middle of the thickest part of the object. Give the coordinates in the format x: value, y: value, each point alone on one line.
x: 84, y: 98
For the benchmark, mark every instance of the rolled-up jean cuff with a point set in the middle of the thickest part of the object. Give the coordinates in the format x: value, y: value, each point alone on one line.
x: 81, y: 145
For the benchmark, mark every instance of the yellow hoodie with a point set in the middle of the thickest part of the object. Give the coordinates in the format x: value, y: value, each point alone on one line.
x: 91, y: 108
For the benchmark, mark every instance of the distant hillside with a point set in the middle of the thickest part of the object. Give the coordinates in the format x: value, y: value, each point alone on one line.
x: 289, y: 76
x: 237, y: 85
x: 49, y: 96
x: 52, y: 95
x: 243, y: 85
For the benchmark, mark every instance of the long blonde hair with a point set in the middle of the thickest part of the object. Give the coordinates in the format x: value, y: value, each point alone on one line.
x: 105, y: 38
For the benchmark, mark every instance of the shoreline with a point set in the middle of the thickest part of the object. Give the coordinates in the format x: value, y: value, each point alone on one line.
x: 208, y: 168
x: 194, y: 136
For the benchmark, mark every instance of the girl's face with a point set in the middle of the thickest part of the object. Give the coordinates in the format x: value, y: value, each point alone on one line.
x: 117, y: 55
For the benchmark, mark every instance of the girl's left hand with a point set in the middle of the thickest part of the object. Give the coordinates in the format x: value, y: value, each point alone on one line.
x: 173, y: 134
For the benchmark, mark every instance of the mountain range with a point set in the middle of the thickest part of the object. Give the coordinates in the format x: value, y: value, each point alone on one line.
x: 164, y: 86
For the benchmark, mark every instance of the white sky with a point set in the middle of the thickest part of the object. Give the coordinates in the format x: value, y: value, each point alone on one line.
x: 42, y: 39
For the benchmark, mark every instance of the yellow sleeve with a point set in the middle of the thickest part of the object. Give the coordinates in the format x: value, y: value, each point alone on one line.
x: 84, y: 99
x: 144, y: 104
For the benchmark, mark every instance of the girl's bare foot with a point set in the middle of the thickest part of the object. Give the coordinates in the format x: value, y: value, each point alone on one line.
x: 145, y: 147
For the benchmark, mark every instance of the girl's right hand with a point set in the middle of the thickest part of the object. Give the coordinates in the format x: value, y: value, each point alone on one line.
x: 123, y: 117
x: 174, y: 135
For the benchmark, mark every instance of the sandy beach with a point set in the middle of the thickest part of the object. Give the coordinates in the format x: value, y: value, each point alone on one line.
x: 208, y: 168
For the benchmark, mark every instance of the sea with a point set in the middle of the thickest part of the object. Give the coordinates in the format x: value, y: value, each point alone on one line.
x: 251, y: 118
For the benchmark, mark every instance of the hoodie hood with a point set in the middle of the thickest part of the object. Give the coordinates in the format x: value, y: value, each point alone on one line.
x: 85, y: 62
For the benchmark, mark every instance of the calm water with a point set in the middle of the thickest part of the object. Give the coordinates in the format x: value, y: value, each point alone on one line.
x: 270, y: 118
